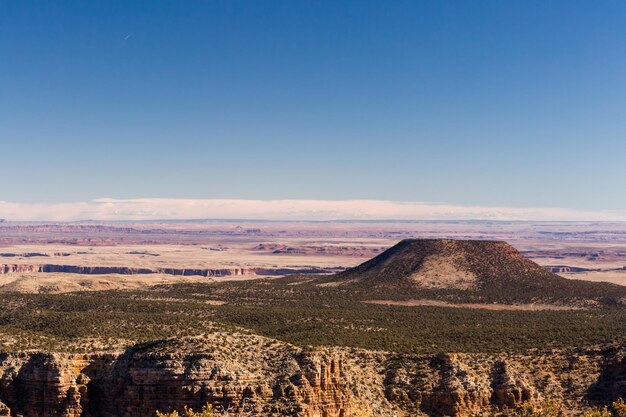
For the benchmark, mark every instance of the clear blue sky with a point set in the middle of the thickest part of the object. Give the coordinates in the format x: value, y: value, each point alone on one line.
x: 517, y: 103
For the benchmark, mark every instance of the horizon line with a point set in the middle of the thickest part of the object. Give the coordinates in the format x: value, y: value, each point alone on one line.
x: 171, y: 209
x: 278, y: 220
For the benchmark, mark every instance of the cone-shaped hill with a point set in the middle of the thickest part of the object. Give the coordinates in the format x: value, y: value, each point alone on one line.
x: 493, y: 269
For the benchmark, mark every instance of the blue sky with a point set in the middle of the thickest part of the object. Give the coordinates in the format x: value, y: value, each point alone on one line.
x: 507, y: 103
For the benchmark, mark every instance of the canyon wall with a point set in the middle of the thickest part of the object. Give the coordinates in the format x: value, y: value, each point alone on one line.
x: 170, y: 375
x: 205, y: 272
x: 252, y: 375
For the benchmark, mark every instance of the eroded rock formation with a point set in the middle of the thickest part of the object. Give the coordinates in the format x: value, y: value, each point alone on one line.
x: 244, y: 373
x: 170, y: 375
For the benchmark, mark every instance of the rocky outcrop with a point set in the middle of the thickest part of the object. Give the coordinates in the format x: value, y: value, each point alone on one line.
x: 42, y: 384
x: 172, y: 374
x: 611, y: 383
x: 324, y: 385
x: 4, y: 410
x: 441, y: 386
x: 459, y: 391
x: 509, y: 387
x: 244, y: 373
x: 470, y: 384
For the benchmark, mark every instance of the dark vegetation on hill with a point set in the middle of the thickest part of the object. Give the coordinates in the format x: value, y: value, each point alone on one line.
x: 302, y: 315
x: 500, y: 274
x: 309, y: 310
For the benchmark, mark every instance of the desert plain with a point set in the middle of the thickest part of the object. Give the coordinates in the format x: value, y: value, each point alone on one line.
x: 150, y: 253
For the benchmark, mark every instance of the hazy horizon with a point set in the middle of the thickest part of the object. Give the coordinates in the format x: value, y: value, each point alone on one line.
x: 107, y: 209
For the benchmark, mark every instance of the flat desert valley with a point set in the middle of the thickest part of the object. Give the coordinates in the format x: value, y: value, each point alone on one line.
x: 91, y: 256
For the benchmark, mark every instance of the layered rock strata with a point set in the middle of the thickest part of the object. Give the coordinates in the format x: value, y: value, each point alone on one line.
x: 244, y: 374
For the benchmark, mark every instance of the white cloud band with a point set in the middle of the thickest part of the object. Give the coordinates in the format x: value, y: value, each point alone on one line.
x: 156, y: 209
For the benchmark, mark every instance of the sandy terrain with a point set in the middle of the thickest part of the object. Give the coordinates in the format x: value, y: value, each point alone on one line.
x: 61, y: 283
